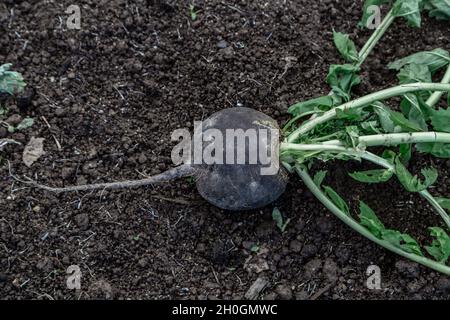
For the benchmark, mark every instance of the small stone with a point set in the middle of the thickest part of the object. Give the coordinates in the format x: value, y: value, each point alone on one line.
x: 81, y: 180
x: 26, y: 6
x: 16, y: 283
x: 309, y: 251
x: 3, y: 132
x: 142, y: 262
x: 101, y: 290
x: 142, y: 158
x: 88, y: 167
x: 33, y: 151
x: 66, y: 172
x: 284, y: 292
x: 92, y: 154
x: 270, y: 296
x: 222, y: 44
x: 201, y: 248
x: 71, y: 75
x: 295, y: 246
x: 14, y: 119
x: 72, y: 43
x: 408, y: 269
x: 129, y: 21
x: 93, y: 100
x: 257, y: 264
x: 414, y: 286
x: 228, y: 52
x: 256, y: 288
x: 36, y: 209
x: 19, y: 137
x: 82, y: 220
x: 302, y: 295
x: 59, y: 112
x: 45, y: 264
x: 211, y: 285
x: 312, y: 268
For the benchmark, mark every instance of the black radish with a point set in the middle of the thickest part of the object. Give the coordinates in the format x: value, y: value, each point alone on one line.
x: 231, y: 186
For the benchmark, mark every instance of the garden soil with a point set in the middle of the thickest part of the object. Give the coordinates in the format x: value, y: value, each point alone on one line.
x: 106, y: 98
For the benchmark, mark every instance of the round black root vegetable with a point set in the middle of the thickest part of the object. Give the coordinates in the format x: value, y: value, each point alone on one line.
x: 232, y: 186
x: 240, y: 186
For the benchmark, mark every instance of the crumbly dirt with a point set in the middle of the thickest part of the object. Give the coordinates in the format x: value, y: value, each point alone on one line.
x: 106, y: 99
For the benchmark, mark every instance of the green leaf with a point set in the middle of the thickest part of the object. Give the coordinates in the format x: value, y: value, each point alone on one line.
x: 337, y: 200
x: 444, y: 202
x: 440, y: 247
x: 321, y: 103
x: 384, y: 116
x: 413, y: 183
x: 437, y: 149
x: 372, y: 176
x: 405, y: 153
x: 367, y: 13
x: 402, y: 241
x: 25, y: 123
x: 341, y: 78
x: 345, y: 46
x: 413, y: 72
x: 417, y: 117
x: 371, y: 127
x: 192, y: 12
x: 278, y: 218
x: 414, y: 107
x: 408, y: 9
x: 389, y: 155
x: 400, y: 120
x: 351, y: 114
x: 352, y: 133
x: 370, y: 220
x: 440, y: 9
x: 10, y: 81
x: 440, y: 119
x: 434, y: 60
x: 319, y: 177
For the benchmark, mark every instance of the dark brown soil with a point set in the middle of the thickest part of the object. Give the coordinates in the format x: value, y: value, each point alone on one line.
x: 112, y: 93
